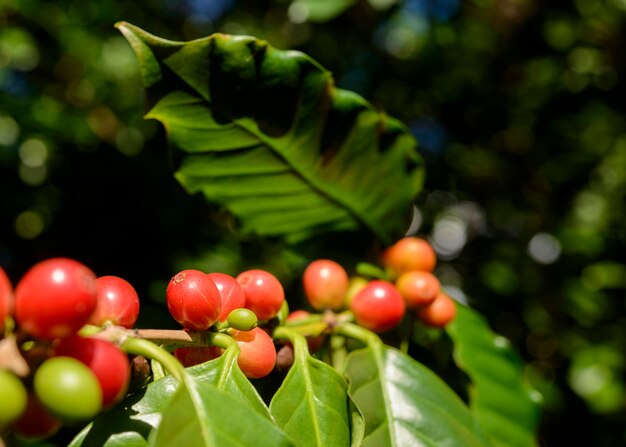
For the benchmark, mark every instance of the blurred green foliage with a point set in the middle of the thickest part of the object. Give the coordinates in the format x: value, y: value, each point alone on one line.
x: 519, y: 108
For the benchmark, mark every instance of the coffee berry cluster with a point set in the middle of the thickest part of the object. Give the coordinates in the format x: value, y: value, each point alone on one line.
x: 58, y: 366
x: 409, y: 286
x: 229, y: 305
x: 50, y: 374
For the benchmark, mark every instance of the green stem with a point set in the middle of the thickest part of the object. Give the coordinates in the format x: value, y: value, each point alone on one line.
x: 338, y: 352
x: 231, y: 355
x: 358, y: 333
x: 300, y: 345
x: 220, y: 339
x: 371, y: 270
x: 314, y: 318
x: 283, y: 332
x: 148, y: 349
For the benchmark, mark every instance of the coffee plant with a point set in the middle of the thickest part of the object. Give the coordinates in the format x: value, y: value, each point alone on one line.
x: 265, y: 133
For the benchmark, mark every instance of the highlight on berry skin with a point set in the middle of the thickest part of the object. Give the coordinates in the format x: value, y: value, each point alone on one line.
x: 193, y: 299
x: 325, y: 284
x: 409, y: 253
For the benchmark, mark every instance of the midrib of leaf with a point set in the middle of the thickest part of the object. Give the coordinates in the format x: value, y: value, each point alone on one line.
x: 310, y: 186
x: 310, y: 179
x: 230, y: 357
x: 301, y: 350
x: 201, y: 416
x: 289, y: 138
x: 377, y: 350
x: 367, y: 116
x: 378, y: 357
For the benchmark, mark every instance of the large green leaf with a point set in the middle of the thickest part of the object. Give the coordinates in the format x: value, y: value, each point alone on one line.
x: 265, y: 133
x: 312, y: 403
x: 130, y: 422
x: 200, y: 415
x: 405, y: 404
x: 500, y: 399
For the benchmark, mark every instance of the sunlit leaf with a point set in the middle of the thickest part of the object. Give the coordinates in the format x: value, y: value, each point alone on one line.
x: 405, y: 404
x: 312, y: 404
x: 498, y: 396
x: 130, y: 422
x: 202, y: 415
x: 266, y: 134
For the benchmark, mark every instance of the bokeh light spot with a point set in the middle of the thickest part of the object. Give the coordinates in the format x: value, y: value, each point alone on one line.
x: 32, y: 175
x: 33, y: 153
x: 9, y: 131
x: 29, y: 224
x: 544, y: 248
x: 449, y: 236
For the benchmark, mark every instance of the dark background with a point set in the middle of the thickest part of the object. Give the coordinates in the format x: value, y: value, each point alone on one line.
x: 519, y: 109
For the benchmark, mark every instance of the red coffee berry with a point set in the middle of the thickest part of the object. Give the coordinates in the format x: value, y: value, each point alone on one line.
x: 196, y: 356
x: 231, y: 293
x: 298, y: 315
x: 439, y: 313
x: 258, y: 354
x: 36, y: 421
x: 109, y: 364
x: 117, y: 302
x: 193, y: 299
x: 409, y: 253
x: 6, y: 298
x: 418, y: 288
x: 264, y: 293
x: 325, y: 284
x: 378, y: 306
x: 55, y: 298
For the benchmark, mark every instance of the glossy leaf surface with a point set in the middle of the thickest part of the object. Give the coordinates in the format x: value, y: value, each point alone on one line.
x: 499, y: 397
x: 202, y: 415
x: 265, y: 133
x: 312, y: 404
x: 130, y: 422
x: 404, y: 403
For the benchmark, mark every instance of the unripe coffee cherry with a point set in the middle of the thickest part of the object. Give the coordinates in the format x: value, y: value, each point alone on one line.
x: 109, y: 364
x: 13, y: 397
x: 264, y: 293
x: 68, y: 389
x: 378, y: 307
x: 55, y: 298
x: 409, y: 253
x: 242, y: 319
x: 325, y: 284
x: 193, y: 299
x: 356, y: 284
